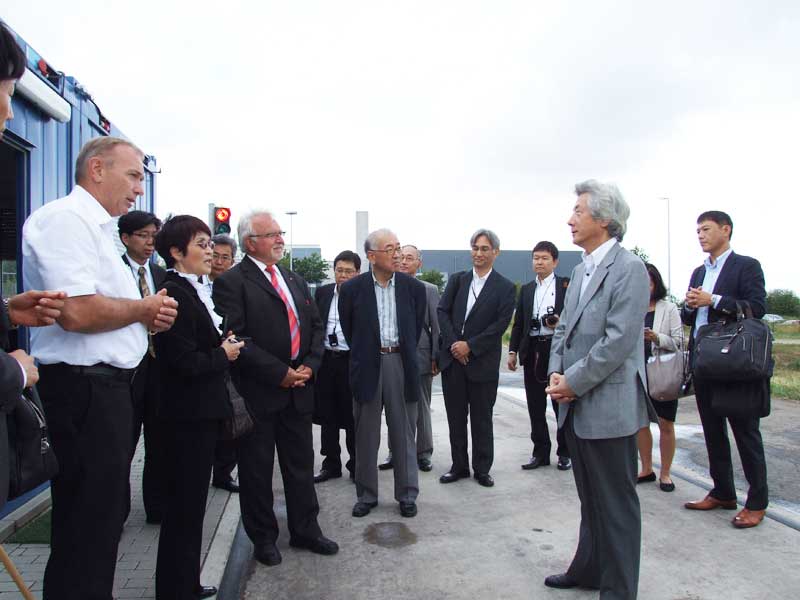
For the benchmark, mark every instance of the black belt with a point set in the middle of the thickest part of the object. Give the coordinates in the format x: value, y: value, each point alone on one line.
x: 337, y: 353
x: 99, y: 370
x: 390, y: 349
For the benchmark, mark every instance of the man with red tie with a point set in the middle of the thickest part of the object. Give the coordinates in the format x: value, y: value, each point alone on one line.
x: 273, y: 308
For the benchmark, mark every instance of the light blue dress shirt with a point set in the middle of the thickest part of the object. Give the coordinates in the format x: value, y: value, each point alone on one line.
x: 709, y: 281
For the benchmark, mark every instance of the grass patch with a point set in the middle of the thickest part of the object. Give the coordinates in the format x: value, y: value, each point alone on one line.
x: 786, y: 379
x: 35, y: 532
x: 786, y: 332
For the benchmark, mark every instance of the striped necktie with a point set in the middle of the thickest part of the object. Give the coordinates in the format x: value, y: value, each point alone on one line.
x: 294, y: 326
x: 144, y: 290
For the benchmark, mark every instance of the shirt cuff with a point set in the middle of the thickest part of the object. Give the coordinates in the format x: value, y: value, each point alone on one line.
x: 715, y: 298
x: 24, y: 376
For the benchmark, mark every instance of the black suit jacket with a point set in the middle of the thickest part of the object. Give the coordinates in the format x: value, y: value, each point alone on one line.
x: 194, y: 367
x: 358, y: 310
x: 323, y: 297
x: 741, y: 279
x: 520, y: 340
x: 159, y: 274
x: 244, y: 295
x: 10, y: 391
x: 484, y: 327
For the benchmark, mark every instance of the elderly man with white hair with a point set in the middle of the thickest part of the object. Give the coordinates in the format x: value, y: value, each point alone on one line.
x: 597, y: 375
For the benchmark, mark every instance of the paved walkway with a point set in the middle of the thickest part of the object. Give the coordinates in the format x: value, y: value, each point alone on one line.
x: 135, y: 574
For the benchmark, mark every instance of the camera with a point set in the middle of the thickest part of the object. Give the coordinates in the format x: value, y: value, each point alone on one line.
x: 550, y: 319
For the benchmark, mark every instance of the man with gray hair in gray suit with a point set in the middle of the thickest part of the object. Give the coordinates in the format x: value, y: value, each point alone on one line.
x: 597, y: 375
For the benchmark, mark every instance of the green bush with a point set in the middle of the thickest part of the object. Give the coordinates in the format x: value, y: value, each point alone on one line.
x: 783, y: 302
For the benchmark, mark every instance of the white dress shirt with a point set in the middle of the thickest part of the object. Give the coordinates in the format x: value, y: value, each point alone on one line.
x: 204, y: 293
x: 281, y: 283
x: 335, y: 325
x: 68, y: 245
x: 148, y: 275
x: 591, y: 261
x: 709, y: 281
x: 387, y: 312
x: 475, y: 289
x: 544, y: 298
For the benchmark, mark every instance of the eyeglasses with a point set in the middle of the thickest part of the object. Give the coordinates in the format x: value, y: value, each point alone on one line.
x: 270, y: 235
x: 144, y: 236
x: 225, y: 257
x: 344, y: 271
x: 390, y: 251
x: 484, y: 249
x: 205, y: 244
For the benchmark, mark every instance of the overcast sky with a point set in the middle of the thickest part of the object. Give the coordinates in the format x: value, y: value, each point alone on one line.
x: 442, y: 117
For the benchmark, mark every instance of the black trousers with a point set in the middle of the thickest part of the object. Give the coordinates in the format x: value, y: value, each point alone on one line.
x: 290, y: 433
x: 462, y: 397
x: 224, y: 461
x: 89, y: 418
x: 535, y: 375
x: 334, y: 410
x: 190, y: 455
x: 146, y: 386
x: 747, y: 434
x: 609, y: 542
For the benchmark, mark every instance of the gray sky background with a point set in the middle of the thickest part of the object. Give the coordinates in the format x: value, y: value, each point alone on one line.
x: 442, y: 117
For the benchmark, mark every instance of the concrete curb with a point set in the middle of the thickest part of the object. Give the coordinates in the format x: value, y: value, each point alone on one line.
x: 214, y: 565
x: 26, y: 513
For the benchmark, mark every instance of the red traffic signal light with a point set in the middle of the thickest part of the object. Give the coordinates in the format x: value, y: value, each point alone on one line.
x: 222, y: 220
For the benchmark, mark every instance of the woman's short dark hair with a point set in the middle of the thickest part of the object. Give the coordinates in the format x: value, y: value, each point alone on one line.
x: 12, y: 59
x: 659, y: 289
x: 546, y: 247
x: 177, y: 232
x: 348, y: 256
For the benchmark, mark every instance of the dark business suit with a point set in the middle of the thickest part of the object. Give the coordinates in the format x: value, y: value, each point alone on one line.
x: 381, y: 378
x: 472, y: 388
x: 534, y: 355
x: 333, y: 398
x: 742, y: 279
x: 11, y: 381
x: 282, y: 416
x: 194, y: 368
x: 145, y: 392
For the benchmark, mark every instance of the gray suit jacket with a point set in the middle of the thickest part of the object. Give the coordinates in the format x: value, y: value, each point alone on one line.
x: 428, y: 345
x: 599, y: 346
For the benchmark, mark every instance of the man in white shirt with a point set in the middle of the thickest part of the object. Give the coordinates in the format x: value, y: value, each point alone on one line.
x: 88, y: 360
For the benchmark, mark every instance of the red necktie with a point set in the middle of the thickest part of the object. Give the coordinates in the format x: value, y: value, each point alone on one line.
x: 294, y: 326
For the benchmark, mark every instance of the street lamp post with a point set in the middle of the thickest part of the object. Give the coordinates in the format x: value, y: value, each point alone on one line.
x: 669, y: 250
x: 291, y: 214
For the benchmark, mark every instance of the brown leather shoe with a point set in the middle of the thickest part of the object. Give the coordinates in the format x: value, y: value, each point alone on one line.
x: 748, y: 518
x: 710, y: 503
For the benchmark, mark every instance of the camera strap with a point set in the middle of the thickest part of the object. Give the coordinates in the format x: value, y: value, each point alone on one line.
x: 537, y: 310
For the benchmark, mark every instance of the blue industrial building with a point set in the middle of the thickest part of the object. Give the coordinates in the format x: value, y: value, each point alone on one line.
x: 54, y: 116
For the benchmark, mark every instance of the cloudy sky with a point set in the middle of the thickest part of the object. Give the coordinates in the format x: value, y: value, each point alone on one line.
x: 440, y: 117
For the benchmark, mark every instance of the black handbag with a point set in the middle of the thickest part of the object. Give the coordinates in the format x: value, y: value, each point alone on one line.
x: 32, y: 460
x: 241, y: 421
x: 733, y: 350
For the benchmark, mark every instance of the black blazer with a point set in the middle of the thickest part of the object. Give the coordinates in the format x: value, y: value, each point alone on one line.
x: 484, y: 327
x: 323, y: 297
x: 358, y: 310
x: 10, y: 392
x: 522, y: 317
x: 253, y: 308
x: 159, y: 274
x: 193, y: 365
x: 741, y: 278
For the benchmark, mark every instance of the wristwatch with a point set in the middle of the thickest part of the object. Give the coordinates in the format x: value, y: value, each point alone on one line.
x: 11, y: 323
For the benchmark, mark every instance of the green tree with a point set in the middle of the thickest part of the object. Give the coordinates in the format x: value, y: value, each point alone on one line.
x: 641, y: 253
x: 433, y: 276
x: 311, y: 268
x: 784, y: 303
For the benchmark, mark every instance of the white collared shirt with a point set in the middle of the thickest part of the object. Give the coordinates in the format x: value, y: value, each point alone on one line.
x: 475, y: 289
x: 544, y: 298
x: 335, y: 325
x: 387, y: 312
x: 68, y: 245
x: 204, y: 293
x: 709, y: 281
x: 148, y: 276
x: 281, y: 283
x: 591, y: 261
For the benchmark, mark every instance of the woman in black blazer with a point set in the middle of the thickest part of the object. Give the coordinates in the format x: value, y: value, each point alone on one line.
x: 193, y: 359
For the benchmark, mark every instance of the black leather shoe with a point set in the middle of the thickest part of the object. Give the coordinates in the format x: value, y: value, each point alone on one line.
x: 425, y: 464
x: 651, y: 476
x: 408, y: 509
x: 387, y: 464
x: 484, y: 479
x: 205, y: 591
x: 267, y: 554
x: 452, y: 476
x: 229, y: 486
x: 564, y: 463
x: 535, y: 462
x: 325, y: 474
x: 361, y: 509
x: 561, y: 581
x: 320, y: 545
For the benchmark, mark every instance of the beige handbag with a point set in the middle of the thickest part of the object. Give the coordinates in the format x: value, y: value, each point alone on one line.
x: 665, y: 375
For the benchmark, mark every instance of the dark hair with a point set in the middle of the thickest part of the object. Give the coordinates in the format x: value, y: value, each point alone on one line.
x: 546, y: 247
x: 659, y: 289
x: 718, y: 217
x: 222, y: 239
x: 12, y: 59
x: 177, y: 232
x: 348, y: 256
x: 136, y: 220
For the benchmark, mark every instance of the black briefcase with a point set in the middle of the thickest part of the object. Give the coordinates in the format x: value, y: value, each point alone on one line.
x: 734, y: 350
x: 32, y: 460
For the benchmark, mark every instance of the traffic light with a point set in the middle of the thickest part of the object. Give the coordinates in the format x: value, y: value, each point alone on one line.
x: 222, y: 220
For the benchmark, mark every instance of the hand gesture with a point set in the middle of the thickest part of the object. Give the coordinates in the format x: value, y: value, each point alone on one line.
x: 35, y: 309
x: 26, y: 361
x: 232, y: 347
x: 160, y: 311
